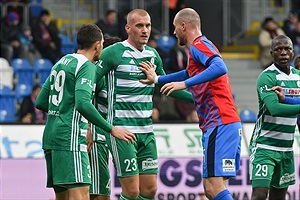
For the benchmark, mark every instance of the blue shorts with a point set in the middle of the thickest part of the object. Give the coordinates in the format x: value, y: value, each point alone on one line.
x: 222, y: 150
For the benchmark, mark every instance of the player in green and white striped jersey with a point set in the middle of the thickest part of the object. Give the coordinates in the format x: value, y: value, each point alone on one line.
x: 99, y: 155
x: 66, y: 96
x: 130, y: 107
x: 271, y: 146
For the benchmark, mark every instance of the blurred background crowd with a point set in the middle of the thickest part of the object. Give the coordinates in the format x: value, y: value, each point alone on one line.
x: 34, y: 34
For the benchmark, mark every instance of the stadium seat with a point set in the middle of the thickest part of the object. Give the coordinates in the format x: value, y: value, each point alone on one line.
x: 21, y: 91
x: 66, y: 44
x: 166, y: 42
x: 7, y: 104
x: 23, y: 71
x: 6, y: 73
x: 248, y: 116
x: 7, y: 116
x: 42, y: 68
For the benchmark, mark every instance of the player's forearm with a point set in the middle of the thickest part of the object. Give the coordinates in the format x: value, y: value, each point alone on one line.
x: 290, y: 100
x: 183, y: 95
x: 215, y: 69
x: 280, y: 109
x: 88, y: 110
x: 42, y: 100
x: 174, y: 77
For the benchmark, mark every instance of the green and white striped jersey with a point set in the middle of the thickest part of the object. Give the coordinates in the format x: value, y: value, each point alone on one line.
x: 275, y: 132
x: 129, y: 100
x: 66, y: 128
x: 100, y: 102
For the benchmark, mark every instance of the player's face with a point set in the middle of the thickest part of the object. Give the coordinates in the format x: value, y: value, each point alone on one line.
x: 98, y: 50
x: 178, y: 31
x: 282, y: 53
x: 139, y: 30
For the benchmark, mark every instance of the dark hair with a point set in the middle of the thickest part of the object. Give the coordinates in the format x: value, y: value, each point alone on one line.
x: 35, y: 87
x: 108, y: 12
x: 108, y: 40
x: 44, y: 12
x: 87, y: 35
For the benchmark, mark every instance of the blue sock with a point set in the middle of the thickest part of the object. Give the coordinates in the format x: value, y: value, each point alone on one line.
x: 224, y: 195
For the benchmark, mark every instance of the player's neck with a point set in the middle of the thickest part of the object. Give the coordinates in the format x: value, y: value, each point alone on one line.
x: 87, y: 53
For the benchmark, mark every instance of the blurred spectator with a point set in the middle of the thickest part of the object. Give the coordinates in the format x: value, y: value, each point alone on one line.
x: 11, y: 46
x: 186, y: 111
x: 19, y: 7
x: 174, y: 6
x: 109, y: 25
x: 25, y: 37
x: 269, y: 31
x: 178, y: 58
x: 46, y: 37
x: 164, y: 108
x: 28, y: 112
x: 290, y: 29
x: 297, y: 62
x: 297, y: 66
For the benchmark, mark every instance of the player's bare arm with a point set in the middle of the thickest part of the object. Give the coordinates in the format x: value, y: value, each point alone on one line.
x: 148, y: 69
x: 89, y: 138
x: 280, y: 93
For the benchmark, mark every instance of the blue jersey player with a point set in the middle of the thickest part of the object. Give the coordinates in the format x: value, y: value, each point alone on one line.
x: 206, y: 78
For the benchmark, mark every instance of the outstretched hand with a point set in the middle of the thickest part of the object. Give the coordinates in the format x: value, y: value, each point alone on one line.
x: 280, y: 93
x: 123, y: 134
x: 171, y: 87
x: 148, y: 69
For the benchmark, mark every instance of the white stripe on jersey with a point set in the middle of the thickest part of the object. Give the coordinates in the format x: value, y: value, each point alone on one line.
x: 134, y: 113
x: 132, y: 83
x: 280, y: 120
x: 277, y: 135
x: 102, y: 108
x: 135, y: 98
x: 137, y: 54
x: 138, y: 129
x: 265, y: 146
x: 81, y: 60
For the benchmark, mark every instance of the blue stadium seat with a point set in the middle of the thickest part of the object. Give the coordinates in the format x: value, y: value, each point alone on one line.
x: 7, y: 104
x: 22, y: 90
x: 42, y: 68
x: 66, y: 44
x: 166, y: 42
x: 248, y: 116
x: 23, y: 71
x: 7, y: 116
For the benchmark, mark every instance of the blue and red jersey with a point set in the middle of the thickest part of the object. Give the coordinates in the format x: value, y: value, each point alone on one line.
x: 213, y: 99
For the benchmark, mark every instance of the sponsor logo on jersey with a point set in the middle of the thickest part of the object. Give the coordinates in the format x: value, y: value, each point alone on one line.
x: 228, y: 165
x: 149, y: 164
x: 286, y: 178
x: 292, y: 91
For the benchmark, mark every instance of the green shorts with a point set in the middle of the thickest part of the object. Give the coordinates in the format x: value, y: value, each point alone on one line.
x: 272, y: 168
x: 67, y: 169
x: 132, y: 159
x: 99, y: 169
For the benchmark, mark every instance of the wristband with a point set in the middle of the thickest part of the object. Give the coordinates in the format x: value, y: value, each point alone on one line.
x: 156, y: 79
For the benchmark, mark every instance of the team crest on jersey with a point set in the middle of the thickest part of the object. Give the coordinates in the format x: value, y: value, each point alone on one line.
x: 228, y: 165
x: 149, y: 164
x: 152, y: 60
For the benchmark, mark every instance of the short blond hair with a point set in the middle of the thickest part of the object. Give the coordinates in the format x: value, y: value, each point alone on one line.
x: 140, y: 12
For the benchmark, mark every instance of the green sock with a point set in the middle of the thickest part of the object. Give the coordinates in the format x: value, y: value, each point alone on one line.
x: 123, y: 197
x: 142, y: 197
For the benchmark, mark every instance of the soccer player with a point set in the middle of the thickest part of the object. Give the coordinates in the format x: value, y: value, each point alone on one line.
x: 100, y: 187
x: 66, y: 96
x: 130, y: 107
x: 272, y: 167
x: 206, y: 78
